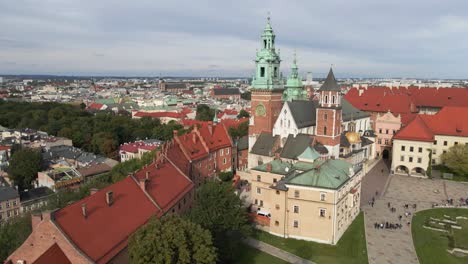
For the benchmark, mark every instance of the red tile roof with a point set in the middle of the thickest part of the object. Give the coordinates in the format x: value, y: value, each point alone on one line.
x: 228, y: 123
x: 217, y: 138
x: 105, y: 231
x: 167, y: 184
x: 193, y: 146
x: 416, y: 130
x: 450, y: 121
x: 95, y: 106
x: 53, y: 255
x: 133, y: 147
x: 5, y: 148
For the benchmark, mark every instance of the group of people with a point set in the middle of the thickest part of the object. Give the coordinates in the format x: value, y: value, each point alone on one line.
x: 449, y: 203
x: 387, y: 225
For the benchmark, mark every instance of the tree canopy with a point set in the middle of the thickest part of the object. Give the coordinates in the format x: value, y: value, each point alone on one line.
x: 246, y: 96
x: 243, y: 113
x: 23, y: 167
x: 456, y: 159
x: 13, y: 233
x: 221, y: 211
x: 171, y: 240
x: 204, y: 113
x: 240, y: 131
x: 101, y: 133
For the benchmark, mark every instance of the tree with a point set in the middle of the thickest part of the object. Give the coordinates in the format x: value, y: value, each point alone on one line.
x: 171, y: 240
x: 221, y: 211
x: 246, y: 96
x: 204, y: 113
x: 82, y: 106
x: 243, y: 113
x: 225, y: 176
x: 13, y: 233
x: 456, y: 159
x: 241, y: 130
x: 24, y: 166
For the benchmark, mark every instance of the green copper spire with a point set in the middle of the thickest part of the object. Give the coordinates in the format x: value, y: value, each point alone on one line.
x: 267, y: 62
x: 215, y: 118
x: 294, y: 88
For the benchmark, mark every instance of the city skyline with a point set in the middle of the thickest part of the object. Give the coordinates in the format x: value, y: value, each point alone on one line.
x: 421, y: 40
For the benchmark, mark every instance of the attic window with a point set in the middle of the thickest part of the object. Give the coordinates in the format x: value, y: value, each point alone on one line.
x: 365, y: 104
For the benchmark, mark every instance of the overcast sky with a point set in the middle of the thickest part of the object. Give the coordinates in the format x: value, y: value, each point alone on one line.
x: 365, y: 38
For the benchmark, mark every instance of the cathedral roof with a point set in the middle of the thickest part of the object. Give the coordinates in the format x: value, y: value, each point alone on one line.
x: 295, y: 145
x: 264, y: 144
x: 330, y: 83
x: 349, y: 112
x: 303, y: 112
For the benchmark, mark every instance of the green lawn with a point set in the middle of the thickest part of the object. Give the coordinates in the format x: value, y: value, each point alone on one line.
x: 431, y: 246
x: 350, y: 249
x: 252, y: 255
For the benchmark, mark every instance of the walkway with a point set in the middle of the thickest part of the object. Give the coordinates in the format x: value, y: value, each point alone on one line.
x: 274, y: 251
x: 396, y: 246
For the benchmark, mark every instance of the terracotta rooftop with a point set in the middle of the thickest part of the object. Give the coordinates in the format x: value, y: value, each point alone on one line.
x: 53, y: 255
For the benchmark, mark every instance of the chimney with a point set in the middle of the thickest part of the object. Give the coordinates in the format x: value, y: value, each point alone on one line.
x: 93, y: 191
x: 147, y: 174
x: 35, y: 220
x: 110, y: 198
x: 83, y: 210
x: 210, y: 127
x: 143, y: 184
x: 157, y: 165
x: 268, y: 167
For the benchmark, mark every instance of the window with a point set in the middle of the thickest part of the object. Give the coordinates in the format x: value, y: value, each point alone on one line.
x: 259, y: 191
x: 410, y: 159
x: 411, y: 149
x: 379, y: 141
x: 325, y: 116
x: 380, y: 131
x: 296, y: 194
x: 221, y: 152
x: 275, y: 72
x: 262, y: 71
x: 277, y: 207
x: 433, y: 161
x: 276, y: 223
x: 386, y: 131
x: 224, y: 161
x: 296, y: 224
x: 261, y: 203
x: 7, y: 204
x: 322, y: 212
x: 394, y: 132
x: 419, y: 160
x: 274, y: 180
x: 264, y: 43
x: 435, y: 142
x: 296, y: 209
x: 326, y: 99
x: 455, y: 143
x: 259, y: 178
x: 325, y: 130
x: 256, y: 201
x: 444, y: 151
x: 402, y: 148
x: 333, y: 99
x: 14, y: 203
x: 433, y: 151
x: 445, y: 143
x: 227, y: 151
x: 402, y: 158
x: 322, y: 197
x: 420, y: 150
x: 9, y: 214
x: 277, y: 192
x: 386, y: 141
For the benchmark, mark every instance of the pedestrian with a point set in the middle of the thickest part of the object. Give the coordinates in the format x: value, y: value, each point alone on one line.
x: 399, y: 217
x: 388, y: 204
x: 372, y: 204
x: 376, y: 193
x: 382, y: 171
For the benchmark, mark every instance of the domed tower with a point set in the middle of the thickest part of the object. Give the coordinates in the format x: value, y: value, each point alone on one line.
x: 329, y: 115
x: 294, y: 88
x: 267, y: 87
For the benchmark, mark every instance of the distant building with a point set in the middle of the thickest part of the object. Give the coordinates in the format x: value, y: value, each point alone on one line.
x: 34, y: 199
x: 5, y: 154
x: 164, y: 117
x: 135, y: 150
x: 9, y: 201
x: 226, y: 93
x: 173, y: 87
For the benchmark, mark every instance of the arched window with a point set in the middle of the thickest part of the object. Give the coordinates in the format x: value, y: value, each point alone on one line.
x: 264, y: 43
x: 326, y: 99
x: 333, y: 99
x: 325, y: 130
x: 325, y: 116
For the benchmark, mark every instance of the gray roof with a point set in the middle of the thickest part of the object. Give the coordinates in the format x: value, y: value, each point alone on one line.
x: 303, y: 112
x: 226, y: 91
x: 243, y: 143
x: 349, y: 112
x: 321, y: 148
x: 35, y: 193
x: 6, y: 191
x: 294, y: 146
x: 264, y: 144
x: 365, y: 141
x: 344, y: 140
x: 330, y: 83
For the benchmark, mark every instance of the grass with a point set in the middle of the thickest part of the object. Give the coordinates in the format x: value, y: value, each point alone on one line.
x: 445, y: 169
x: 252, y: 255
x: 431, y: 246
x: 350, y: 249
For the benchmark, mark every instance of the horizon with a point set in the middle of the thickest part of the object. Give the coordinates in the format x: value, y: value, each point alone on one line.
x: 362, y: 40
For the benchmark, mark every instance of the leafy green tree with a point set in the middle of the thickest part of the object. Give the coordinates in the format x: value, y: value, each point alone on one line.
x: 171, y: 240
x: 221, y: 211
x: 243, y: 113
x: 82, y: 106
x: 24, y: 166
x: 246, y: 96
x: 226, y: 176
x: 456, y: 159
x: 240, y: 131
x: 204, y: 113
x: 13, y: 233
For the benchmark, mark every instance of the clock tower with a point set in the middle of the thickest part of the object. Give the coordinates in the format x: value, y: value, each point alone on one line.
x: 267, y: 87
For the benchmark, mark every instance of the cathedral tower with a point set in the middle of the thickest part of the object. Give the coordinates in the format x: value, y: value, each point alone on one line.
x: 294, y: 88
x: 267, y: 87
x: 329, y: 115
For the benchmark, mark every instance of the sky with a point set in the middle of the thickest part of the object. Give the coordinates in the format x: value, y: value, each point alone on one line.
x: 365, y: 38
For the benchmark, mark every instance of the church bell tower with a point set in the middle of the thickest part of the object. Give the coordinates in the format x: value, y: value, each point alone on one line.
x: 267, y: 87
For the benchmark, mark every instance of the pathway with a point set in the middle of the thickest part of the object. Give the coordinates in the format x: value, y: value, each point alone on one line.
x: 274, y: 251
x: 396, y: 246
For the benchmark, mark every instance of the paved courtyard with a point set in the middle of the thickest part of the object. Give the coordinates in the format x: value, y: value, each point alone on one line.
x: 396, y: 245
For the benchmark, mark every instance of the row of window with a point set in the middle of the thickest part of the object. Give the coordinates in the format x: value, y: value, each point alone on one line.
x: 410, y: 159
x: 387, y: 141
x: 9, y: 213
x: 387, y: 131
x: 8, y: 204
x: 411, y: 149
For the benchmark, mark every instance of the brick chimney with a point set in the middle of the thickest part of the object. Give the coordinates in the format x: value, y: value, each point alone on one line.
x: 36, y: 218
x: 109, y: 198
x: 93, y: 191
x: 143, y: 183
x: 268, y: 167
x: 210, y: 127
x: 83, y: 210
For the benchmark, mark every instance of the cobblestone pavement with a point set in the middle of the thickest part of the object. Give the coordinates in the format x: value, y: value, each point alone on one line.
x: 396, y: 246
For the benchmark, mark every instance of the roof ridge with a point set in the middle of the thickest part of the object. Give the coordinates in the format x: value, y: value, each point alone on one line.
x: 145, y: 192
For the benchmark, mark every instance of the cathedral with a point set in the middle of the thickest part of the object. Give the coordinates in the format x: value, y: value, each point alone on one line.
x: 306, y: 153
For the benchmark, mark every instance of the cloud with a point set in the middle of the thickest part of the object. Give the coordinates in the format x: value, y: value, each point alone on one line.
x: 365, y: 38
